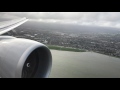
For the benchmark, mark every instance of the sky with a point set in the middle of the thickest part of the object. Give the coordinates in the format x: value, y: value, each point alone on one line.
x: 107, y: 19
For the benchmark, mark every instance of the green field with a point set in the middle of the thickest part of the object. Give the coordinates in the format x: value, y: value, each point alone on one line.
x: 64, y: 48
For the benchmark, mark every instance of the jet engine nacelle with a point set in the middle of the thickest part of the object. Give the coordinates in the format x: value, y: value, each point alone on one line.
x: 23, y: 58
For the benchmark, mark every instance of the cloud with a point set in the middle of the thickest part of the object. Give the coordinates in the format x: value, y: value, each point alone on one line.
x: 110, y: 19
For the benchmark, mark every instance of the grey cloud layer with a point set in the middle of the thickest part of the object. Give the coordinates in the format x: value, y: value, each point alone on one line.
x: 85, y: 18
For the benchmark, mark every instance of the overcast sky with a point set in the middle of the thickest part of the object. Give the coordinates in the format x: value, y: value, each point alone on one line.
x: 109, y: 19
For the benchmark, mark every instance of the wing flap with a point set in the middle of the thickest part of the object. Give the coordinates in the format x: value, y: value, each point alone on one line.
x: 9, y: 25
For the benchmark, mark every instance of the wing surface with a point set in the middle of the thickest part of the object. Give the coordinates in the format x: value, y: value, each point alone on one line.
x: 6, y: 26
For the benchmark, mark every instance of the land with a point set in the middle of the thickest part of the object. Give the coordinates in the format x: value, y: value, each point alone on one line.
x: 64, y: 48
x: 72, y: 37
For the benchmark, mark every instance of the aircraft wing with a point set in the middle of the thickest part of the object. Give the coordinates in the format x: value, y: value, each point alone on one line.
x: 6, y: 26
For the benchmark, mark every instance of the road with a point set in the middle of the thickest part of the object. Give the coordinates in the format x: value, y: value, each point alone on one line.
x: 84, y: 65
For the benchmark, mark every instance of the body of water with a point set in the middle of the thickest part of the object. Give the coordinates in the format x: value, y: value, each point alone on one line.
x: 84, y: 65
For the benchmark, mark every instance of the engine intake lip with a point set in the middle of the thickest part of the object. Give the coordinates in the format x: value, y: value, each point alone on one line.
x: 43, y: 62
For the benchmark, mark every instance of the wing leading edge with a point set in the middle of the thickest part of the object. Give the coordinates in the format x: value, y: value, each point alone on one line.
x: 9, y: 25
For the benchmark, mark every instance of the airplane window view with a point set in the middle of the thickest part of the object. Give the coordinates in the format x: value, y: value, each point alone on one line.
x: 60, y: 44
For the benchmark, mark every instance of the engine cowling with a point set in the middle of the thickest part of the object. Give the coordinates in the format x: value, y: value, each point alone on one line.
x: 23, y: 58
